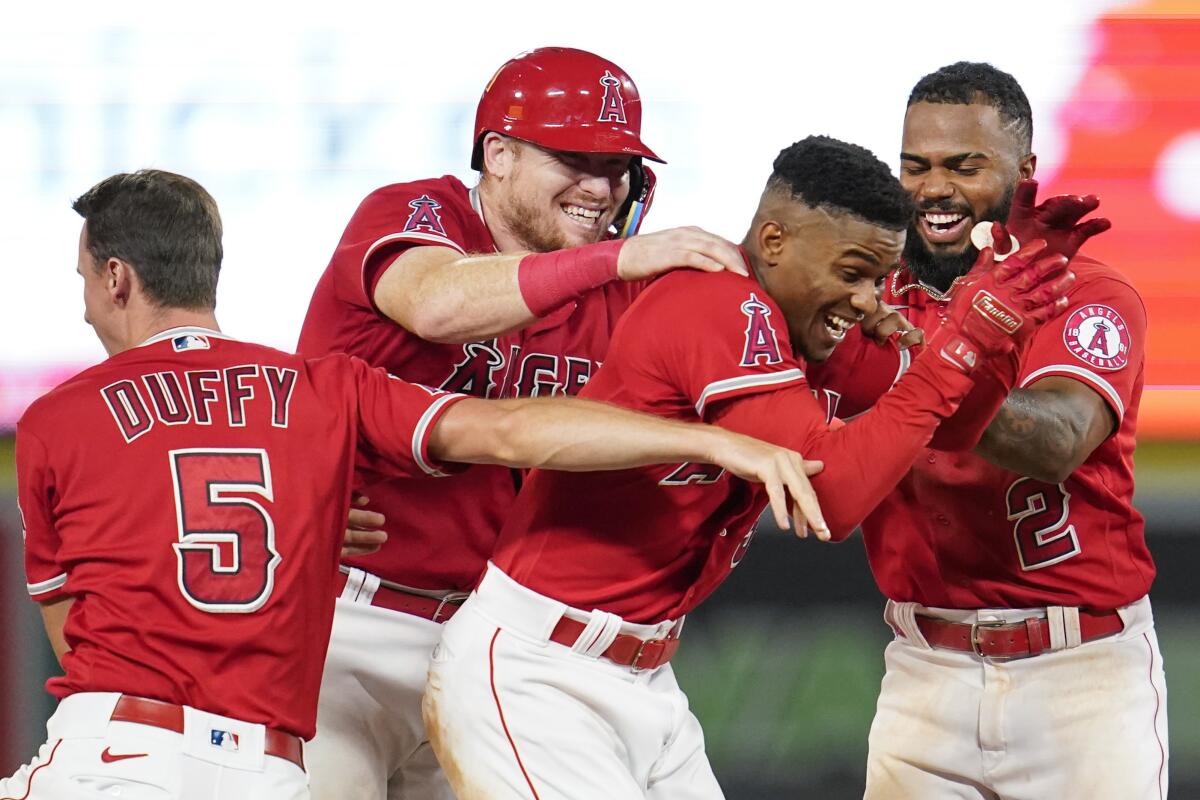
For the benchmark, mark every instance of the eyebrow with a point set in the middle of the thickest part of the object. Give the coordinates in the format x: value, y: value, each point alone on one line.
x: 865, y: 255
x: 952, y: 161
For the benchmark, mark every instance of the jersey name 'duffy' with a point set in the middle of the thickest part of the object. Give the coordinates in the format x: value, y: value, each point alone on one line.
x: 195, y: 396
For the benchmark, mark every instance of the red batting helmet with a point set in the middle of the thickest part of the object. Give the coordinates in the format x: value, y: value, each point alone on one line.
x: 563, y: 99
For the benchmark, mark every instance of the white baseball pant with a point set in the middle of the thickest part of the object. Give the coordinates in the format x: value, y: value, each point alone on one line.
x: 87, y: 756
x: 513, y: 715
x: 1087, y: 722
x: 371, y: 742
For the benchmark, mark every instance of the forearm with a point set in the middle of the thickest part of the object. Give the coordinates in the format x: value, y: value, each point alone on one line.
x: 865, y: 459
x: 567, y: 434
x: 1040, y: 434
x: 54, y: 617
x: 965, y: 428
x: 464, y: 300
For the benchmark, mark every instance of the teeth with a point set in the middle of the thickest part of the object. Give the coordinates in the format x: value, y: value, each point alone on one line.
x: 837, y: 326
x: 942, y: 219
x: 582, y: 214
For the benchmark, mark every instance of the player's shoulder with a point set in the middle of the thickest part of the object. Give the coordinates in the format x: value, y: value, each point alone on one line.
x: 444, y: 191
x: 681, y: 286
x: 1088, y: 268
x: 1099, y: 282
x: 43, y: 413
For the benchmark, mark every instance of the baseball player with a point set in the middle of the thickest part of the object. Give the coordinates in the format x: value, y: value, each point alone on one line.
x: 553, y: 680
x: 1017, y: 574
x: 427, y: 280
x: 184, y: 502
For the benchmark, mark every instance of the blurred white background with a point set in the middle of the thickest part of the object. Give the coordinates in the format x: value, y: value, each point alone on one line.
x: 289, y: 115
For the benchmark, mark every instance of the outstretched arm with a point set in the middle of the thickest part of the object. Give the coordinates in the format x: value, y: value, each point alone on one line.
x: 579, y: 435
x: 442, y: 295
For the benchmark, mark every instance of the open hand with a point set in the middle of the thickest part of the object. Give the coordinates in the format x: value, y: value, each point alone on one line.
x: 782, y: 473
x: 650, y: 254
x: 1056, y: 220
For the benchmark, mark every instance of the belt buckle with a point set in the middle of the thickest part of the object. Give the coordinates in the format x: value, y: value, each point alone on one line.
x: 637, y: 656
x: 975, y: 643
x: 453, y: 598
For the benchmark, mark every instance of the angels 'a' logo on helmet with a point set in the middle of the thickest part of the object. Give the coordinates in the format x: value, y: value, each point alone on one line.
x: 1097, y: 335
x: 612, y: 107
x: 762, y: 346
x: 424, y: 216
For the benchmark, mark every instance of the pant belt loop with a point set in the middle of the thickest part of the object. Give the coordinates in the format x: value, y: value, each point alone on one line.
x: 599, y: 633
x: 904, y: 617
x: 354, y: 580
x: 1064, y: 627
x: 360, y: 586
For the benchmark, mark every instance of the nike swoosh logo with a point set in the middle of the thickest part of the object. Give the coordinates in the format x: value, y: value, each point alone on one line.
x: 109, y: 758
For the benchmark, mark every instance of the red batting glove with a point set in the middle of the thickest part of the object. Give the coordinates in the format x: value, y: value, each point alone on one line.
x: 998, y: 306
x: 1056, y: 220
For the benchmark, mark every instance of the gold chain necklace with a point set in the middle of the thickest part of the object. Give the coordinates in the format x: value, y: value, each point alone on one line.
x: 897, y: 290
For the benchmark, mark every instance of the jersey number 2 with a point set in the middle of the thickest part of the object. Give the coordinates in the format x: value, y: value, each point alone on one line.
x: 226, y: 548
x: 1040, y: 512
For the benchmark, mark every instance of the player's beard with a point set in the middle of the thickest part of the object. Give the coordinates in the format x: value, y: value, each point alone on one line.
x: 535, y: 232
x: 937, y: 270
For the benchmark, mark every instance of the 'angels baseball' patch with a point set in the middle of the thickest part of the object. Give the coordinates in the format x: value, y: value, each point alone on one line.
x: 1097, y: 335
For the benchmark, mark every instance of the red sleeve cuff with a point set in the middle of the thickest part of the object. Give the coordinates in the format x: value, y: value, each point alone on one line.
x: 1086, y: 376
x: 421, y: 434
x: 48, y: 590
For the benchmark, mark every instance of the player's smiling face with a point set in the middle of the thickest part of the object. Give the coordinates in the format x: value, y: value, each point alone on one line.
x: 825, y: 271
x: 550, y: 200
x: 960, y: 163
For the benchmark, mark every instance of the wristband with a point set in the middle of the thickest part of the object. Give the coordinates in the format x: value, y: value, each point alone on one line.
x: 548, y: 280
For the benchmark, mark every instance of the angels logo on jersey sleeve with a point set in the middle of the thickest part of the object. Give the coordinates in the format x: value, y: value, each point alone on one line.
x: 424, y: 216
x: 762, y: 346
x: 1097, y: 335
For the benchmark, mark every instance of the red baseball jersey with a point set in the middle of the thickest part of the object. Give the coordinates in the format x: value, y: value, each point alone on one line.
x: 441, y: 534
x: 650, y: 544
x: 960, y: 532
x: 190, y: 495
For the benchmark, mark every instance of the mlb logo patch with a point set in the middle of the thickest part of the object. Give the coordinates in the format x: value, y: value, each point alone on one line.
x: 189, y: 342
x: 226, y: 740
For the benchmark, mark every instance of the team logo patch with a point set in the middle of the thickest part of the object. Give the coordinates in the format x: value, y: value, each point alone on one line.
x: 1097, y: 335
x: 612, y: 107
x: 996, y: 312
x: 189, y: 342
x: 425, y: 216
x: 226, y: 740
x: 761, y: 344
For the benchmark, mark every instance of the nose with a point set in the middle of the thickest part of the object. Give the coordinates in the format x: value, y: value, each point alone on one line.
x: 935, y: 187
x: 865, y: 299
x: 597, y: 186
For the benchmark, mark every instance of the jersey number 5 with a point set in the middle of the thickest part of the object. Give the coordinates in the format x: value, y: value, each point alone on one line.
x: 226, y: 548
x: 1041, y: 529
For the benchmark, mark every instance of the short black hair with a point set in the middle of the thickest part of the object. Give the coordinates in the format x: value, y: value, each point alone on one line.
x: 967, y: 82
x: 165, y: 226
x: 828, y: 173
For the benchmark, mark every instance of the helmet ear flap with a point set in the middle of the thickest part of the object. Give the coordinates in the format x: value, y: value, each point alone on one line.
x: 629, y: 217
x: 477, y: 153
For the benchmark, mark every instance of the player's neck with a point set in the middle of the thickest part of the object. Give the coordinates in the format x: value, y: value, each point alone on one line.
x: 153, y: 321
x: 505, y: 240
x: 752, y: 257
